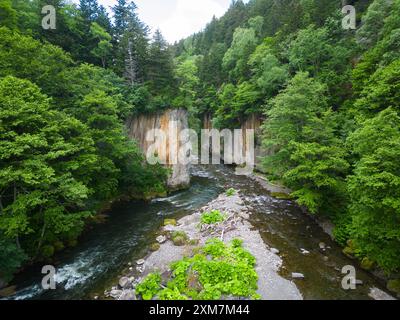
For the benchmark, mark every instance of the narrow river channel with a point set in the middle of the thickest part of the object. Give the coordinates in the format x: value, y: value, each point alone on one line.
x: 105, y: 251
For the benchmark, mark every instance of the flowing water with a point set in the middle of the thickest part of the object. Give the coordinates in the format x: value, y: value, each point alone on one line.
x: 105, y: 251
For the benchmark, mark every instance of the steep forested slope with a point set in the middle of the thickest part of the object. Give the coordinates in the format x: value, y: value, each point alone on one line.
x: 64, y: 96
x: 329, y: 98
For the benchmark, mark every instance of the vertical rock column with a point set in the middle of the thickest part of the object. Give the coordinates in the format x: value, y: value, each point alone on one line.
x: 171, y: 123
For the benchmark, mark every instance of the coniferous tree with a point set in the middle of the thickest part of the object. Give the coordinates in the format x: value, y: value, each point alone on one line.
x: 160, y: 74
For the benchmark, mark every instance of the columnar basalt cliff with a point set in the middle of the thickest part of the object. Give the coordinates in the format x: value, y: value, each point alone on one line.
x: 253, y: 122
x: 143, y: 129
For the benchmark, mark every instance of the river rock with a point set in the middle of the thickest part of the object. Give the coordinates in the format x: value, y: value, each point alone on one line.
x: 378, y: 294
x: 125, y: 283
x: 140, y: 262
x: 170, y: 222
x: 140, y: 269
x: 359, y: 282
x: 322, y: 246
x: 115, y: 294
x: 305, y: 252
x: 296, y: 275
x: 161, y: 239
x: 275, y: 251
x: 127, y: 295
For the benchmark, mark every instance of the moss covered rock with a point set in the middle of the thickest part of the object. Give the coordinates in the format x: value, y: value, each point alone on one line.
x: 169, y: 222
x: 179, y: 238
x: 394, y: 286
x: 367, y: 264
x: 155, y: 247
x: 349, y: 252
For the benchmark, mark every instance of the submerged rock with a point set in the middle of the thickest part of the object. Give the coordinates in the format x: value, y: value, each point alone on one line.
x: 296, y: 275
x: 305, y: 252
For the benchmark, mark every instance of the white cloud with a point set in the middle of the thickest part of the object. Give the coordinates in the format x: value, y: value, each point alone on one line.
x: 189, y: 17
x: 177, y: 19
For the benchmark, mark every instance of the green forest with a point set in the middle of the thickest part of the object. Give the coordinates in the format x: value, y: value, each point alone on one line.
x: 329, y: 100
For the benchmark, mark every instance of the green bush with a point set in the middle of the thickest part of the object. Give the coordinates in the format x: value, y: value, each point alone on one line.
x: 212, y: 217
x: 149, y: 286
x: 217, y: 271
x: 231, y: 192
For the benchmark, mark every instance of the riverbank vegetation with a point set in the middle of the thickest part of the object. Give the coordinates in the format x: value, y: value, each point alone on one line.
x: 217, y: 270
x: 329, y: 101
x: 64, y: 97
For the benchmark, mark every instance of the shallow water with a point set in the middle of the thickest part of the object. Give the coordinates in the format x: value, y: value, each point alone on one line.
x: 105, y: 251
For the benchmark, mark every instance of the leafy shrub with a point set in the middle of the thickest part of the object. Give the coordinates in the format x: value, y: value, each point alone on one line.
x: 231, y: 192
x: 179, y: 238
x: 217, y: 271
x: 149, y: 286
x: 212, y: 217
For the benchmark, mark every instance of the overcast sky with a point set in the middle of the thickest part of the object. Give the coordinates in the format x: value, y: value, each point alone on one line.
x: 177, y: 19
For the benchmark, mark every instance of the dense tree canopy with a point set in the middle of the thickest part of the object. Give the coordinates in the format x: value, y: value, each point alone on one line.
x: 63, y: 102
x: 321, y: 92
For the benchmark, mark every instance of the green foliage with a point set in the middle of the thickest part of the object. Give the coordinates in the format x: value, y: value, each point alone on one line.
x: 11, y: 258
x: 293, y: 116
x: 231, y: 192
x: 217, y: 270
x: 149, y: 286
x: 212, y: 217
x: 179, y: 238
x: 374, y: 189
x: 8, y: 16
x: 47, y: 162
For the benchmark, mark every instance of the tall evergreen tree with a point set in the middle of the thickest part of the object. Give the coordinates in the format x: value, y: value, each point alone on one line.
x: 160, y: 70
x: 131, y: 42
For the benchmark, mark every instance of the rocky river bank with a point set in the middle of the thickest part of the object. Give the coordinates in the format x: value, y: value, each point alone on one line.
x: 271, y: 286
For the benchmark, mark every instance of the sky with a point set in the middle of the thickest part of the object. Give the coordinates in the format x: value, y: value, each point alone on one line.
x: 177, y: 19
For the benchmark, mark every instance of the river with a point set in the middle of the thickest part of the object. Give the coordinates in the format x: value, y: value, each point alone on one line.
x: 105, y: 251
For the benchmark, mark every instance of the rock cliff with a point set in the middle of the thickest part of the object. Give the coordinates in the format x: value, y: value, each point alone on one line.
x: 160, y: 133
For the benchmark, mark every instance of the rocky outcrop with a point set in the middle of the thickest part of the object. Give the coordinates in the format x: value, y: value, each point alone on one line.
x: 253, y: 122
x: 237, y: 225
x: 160, y: 134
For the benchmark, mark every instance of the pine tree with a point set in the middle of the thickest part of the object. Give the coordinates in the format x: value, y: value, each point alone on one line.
x: 131, y: 42
x: 160, y: 70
